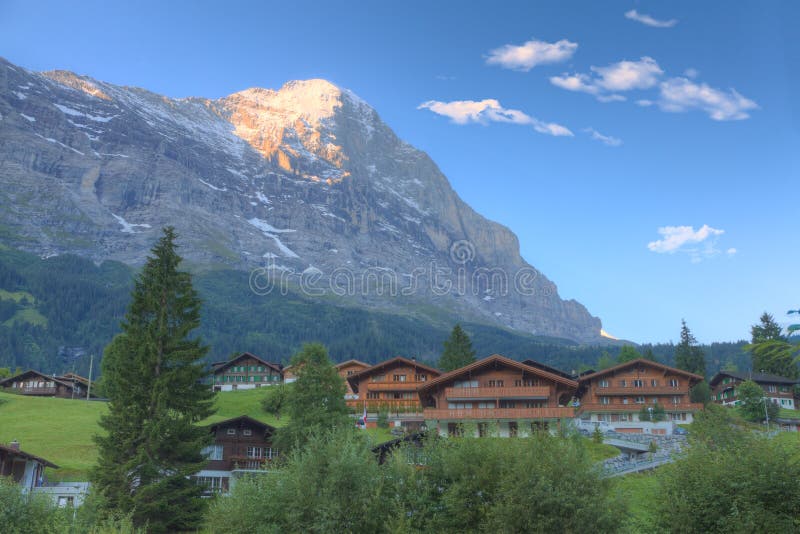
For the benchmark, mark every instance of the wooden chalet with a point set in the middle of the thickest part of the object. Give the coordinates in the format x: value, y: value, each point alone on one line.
x: 24, y: 468
x: 39, y: 384
x: 615, y: 396
x: 246, y: 371
x: 499, y: 395
x: 241, y: 445
x: 391, y: 385
x: 349, y: 368
x: 779, y: 389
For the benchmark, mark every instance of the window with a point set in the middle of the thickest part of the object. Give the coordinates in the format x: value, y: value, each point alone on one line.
x: 399, y: 378
x: 625, y: 400
x: 772, y: 389
x: 605, y: 400
x: 255, y: 452
x: 247, y: 432
x: 623, y: 384
x: 604, y: 383
x: 231, y: 431
x: 373, y: 395
x: 495, y: 383
x: 66, y: 500
x: 459, y: 405
x: 212, y: 484
x: 486, y: 405
x: 624, y: 417
x: 535, y: 404
x: 212, y: 452
x: 406, y: 395
x: 676, y: 399
x: 465, y: 384
x: 351, y: 372
x: 421, y: 378
x: 483, y: 430
x: 784, y: 389
x: 379, y: 378
x: 527, y: 382
x: 638, y: 383
x: 604, y: 417
x: 673, y: 383
x: 508, y: 404
x: 654, y: 383
x: 639, y: 400
x: 454, y: 429
x: 512, y: 429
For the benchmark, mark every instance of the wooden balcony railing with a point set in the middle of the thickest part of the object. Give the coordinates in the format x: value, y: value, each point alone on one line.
x: 633, y: 407
x: 523, y: 392
x: 647, y: 390
x: 499, y: 413
x: 39, y: 390
x: 392, y: 386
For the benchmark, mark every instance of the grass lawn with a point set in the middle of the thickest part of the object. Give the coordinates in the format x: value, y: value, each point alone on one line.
x: 785, y: 413
x: 59, y: 430
x: 600, y: 451
x: 639, y: 491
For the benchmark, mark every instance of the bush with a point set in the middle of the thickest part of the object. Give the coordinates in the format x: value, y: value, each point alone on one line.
x: 383, y: 418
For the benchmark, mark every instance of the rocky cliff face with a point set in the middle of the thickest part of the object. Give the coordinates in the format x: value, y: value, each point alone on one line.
x: 304, y: 186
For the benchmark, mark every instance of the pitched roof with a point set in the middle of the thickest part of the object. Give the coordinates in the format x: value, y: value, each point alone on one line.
x: 640, y: 361
x: 497, y: 358
x: 242, y: 419
x: 757, y: 377
x: 27, y: 455
x: 348, y: 362
x: 75, y: 377
x: 230, y: 362
x: 354, y: 378
x: 32, y: 372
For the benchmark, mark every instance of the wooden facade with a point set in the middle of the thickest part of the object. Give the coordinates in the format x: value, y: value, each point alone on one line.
x: 511, y: 397
x: 391, y: 385
x: 780, y: 390
x: 617, y: 395
x: 24, y: 468
x: 241, y: 445
x: 246, y: 371
x: 348, y: 369
x: 39, y: 384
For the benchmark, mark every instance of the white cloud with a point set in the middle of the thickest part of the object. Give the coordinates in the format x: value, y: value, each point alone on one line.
x: 647, y: 20
x: 575, y: 82
x: 605, y: 139
x: 628, y: 75
x: 698, y: 244
x: 644, y: 103
x: 490, y: 110
x: 691, y: 73
x: 526, y: 56
x: 731, y: 251
x: 607, y: 81
x: 682, y: 94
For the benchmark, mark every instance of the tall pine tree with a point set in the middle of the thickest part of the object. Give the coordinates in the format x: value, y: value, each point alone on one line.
x: 457, y: 350
x: 770, y: 349
x: 688, y: 356
x: 153, y: 375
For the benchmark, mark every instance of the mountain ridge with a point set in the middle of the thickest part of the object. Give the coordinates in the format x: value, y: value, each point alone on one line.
x: 305, y: 182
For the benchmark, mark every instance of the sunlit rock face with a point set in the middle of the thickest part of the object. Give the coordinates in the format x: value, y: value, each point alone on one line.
x: 306, y: 180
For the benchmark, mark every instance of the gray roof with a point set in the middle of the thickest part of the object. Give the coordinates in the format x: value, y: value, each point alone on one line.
x: 761, y: 378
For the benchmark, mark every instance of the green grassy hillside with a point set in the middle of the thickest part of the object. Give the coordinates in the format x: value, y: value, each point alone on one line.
x: 61, y: 430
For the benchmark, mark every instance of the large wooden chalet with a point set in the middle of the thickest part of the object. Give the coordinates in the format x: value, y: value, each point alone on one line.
x: 241, y: 445
x: 779, y: 389
x: 349, y: 368
x: 390, y: 385
x: 615, y: 396
x: 34, y: 383
x: 499, y: 395
x: 246, y: 371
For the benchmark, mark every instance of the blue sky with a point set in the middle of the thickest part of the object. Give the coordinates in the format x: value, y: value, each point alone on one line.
x: 707, y: 134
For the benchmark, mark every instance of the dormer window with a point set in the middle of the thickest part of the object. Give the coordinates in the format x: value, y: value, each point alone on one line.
x: 231, y: 431
x: 247, y: 432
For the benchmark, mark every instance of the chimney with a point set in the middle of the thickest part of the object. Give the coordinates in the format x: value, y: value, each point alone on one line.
x: 14, y: 445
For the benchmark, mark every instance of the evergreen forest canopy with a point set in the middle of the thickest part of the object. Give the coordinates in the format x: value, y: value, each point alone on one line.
x: 57, y: 312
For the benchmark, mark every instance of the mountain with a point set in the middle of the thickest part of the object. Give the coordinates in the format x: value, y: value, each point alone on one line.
x: 304, y: 187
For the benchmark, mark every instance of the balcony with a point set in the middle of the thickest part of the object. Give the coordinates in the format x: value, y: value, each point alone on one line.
x: 527, y: 392
x: 392, y: 386
x: 499, y: 413
x: 39, y: 390
x: 632, y: 391
x: 633, y: 407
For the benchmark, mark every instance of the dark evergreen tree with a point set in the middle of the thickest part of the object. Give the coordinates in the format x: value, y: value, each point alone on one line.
x: 457, y: 350
x: 627, y: 353
x: 700, y: 393
x: 315, y: 401
x: 153, y: 376
x: 767, y: 330
x: 688, y: 356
